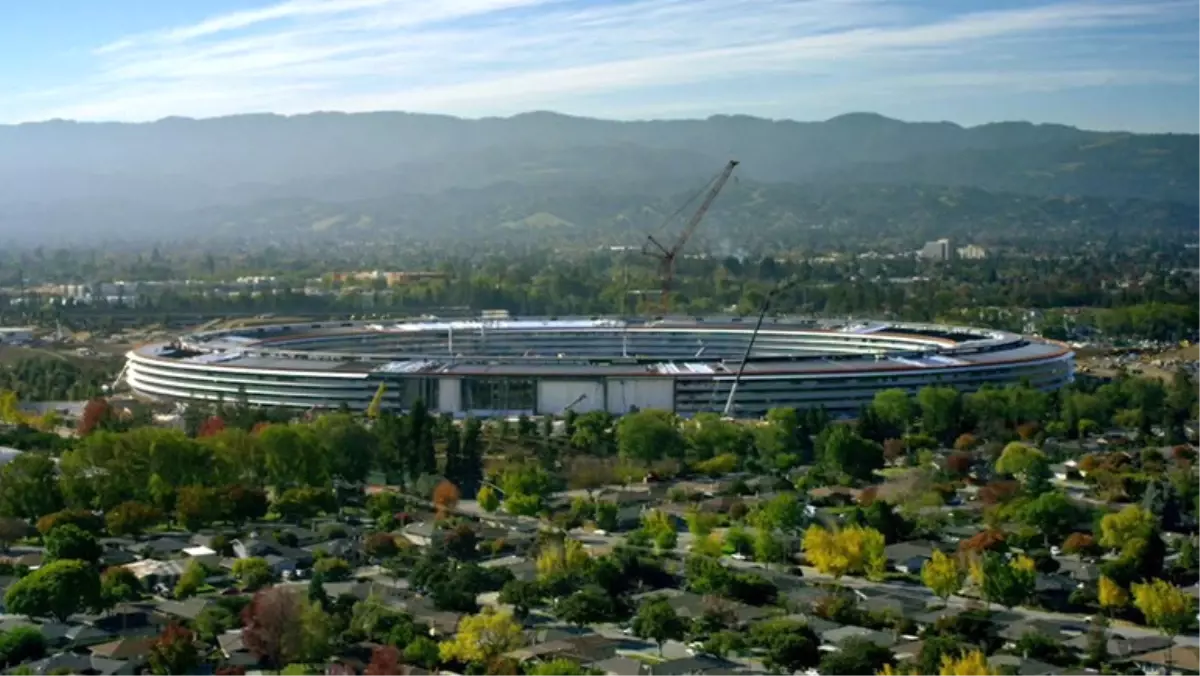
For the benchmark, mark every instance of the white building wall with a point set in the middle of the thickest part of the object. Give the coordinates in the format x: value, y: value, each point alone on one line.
x: 449, y: 395
x: 644, y: 393
x: 554, y: 396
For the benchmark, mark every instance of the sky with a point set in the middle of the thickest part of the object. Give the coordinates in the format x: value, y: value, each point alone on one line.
x: 1098, y: 64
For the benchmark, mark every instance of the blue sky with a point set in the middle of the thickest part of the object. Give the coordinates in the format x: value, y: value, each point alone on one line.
x: 1099, y: 64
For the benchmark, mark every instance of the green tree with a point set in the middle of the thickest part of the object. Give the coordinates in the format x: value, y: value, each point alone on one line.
x: 29, y: 487
x: 118, y: 585
x: 788, y: 646
x: 657, y: 621
x: 58, y: 589
x: 192, y: 579
x: 855, y: 656
x: 1008, y: 583
x: 586, y: 606
x: 253, y: 573
x: 68, y: 541
x: 844, y: 452
x: 650, y: 435
x: 768, y: 548
x: 941, y: 412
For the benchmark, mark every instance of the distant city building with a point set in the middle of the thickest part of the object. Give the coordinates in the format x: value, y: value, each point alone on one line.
x: 971, y: 252
x: 937, y: 250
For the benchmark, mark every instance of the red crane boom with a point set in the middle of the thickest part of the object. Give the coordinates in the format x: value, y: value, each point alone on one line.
x: 666, y: 256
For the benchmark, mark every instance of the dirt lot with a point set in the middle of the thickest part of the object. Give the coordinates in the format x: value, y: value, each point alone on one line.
x: 1105, y: 364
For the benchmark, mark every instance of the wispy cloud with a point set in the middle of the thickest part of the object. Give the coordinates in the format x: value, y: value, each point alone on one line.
x: 482, y: 57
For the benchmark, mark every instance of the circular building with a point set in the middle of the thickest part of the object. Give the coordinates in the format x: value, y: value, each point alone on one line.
x: 546, y: 366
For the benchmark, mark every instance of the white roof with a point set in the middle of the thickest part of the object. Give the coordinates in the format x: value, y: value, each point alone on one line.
x: 199, y: 551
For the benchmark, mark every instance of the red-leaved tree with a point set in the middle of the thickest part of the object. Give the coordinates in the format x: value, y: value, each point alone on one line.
x: 989, y: 540
x: 214, y: 425
x: 958, y: 463
x: 272, y: 631
x: 385, y: 660
x: 96, y: 414
x: 174, y: 652
x: 445, y: 497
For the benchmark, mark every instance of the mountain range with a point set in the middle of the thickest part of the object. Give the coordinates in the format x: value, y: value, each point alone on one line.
x: 416, y: 174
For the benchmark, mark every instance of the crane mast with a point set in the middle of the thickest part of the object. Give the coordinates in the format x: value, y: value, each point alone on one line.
x: 667, y: 256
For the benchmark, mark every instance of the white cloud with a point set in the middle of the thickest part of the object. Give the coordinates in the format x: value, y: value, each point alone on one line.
x: 480, y: 57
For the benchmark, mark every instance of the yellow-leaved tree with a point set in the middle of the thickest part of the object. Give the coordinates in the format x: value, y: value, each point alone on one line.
x: 1111, y: 595
x: 560, y: 557
x: 853, y: 550
x: 973, y: 663
x: 943, y: 575
x: 1166, y: 608
x: 376, y: 405
x: 1127, y: 531
x: 482, y: 638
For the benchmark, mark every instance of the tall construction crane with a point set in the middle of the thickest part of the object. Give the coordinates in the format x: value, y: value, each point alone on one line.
x: 666, y: 256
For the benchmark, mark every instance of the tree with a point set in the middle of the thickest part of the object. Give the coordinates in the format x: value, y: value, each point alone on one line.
x: 789, y: 646
x: 96, y: 415
x: 894, y: 410
x: 657, y: 620
x: 117, y: 585
x: 380, y: 546
x: 1112, y: 596
x: 271, y: 627
x: 1017, y: 458
x: 333, y: 569
x: 942, y: 575
x: 376, y: 404
x: 317, y: 633
x: 445, y: 498
x: 131, y: 518
x: 1165, y: 607
x: 851, y: 550
x: 253, y: 573
x: 29, y: 487
x: 522, y: 595
x: 844, y: 452
x: 68, y: 541
x: 1128, y: 531
x: 1009, y: 583
x: 482, y: 638
x: 972, y: 663
x: 423, y: 652
x: 586, y: 606
x: 488, y: 500
x: 1052, y: 514
x: 650, y: 435
x: 941, y: 412
x: 197, y: 506
x: 385, y: 659
x: 561, y: 557
x: 20, y: 645
x: 174, y: 651
x: 58, y: 589
x: 855, y: 656
x: 710, y: 545
x: 192, y: 579
x: 558, y: 667
x: 768, y: 548
x: 11, y: 530
x: 1080, y: 543
x: 211, y: 427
